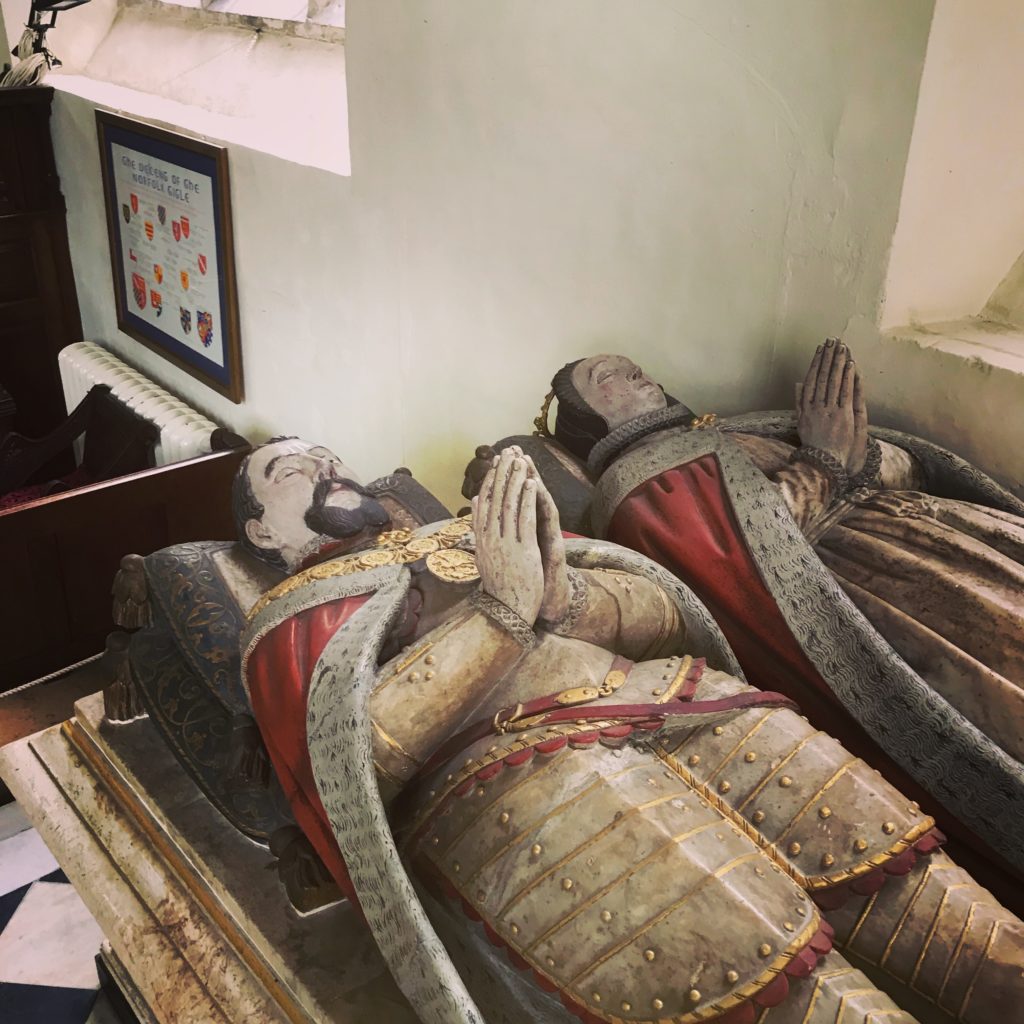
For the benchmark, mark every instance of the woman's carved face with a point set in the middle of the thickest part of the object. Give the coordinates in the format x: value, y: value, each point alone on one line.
x: 616, y: 388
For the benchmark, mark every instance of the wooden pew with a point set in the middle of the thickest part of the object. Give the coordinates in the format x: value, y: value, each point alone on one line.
x: 58, y: 555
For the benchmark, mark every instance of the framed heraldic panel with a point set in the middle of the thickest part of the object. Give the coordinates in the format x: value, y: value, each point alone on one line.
x: 168, y: 204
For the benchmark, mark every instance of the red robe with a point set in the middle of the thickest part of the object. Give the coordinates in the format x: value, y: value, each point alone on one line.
x: 683, y: 519
x: 278, y: 676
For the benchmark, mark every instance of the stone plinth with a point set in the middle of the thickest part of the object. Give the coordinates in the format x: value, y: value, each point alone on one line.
x: 192, y: 909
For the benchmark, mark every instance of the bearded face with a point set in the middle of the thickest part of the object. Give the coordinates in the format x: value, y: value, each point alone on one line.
x: 292, y: 497
x: 340, y: 522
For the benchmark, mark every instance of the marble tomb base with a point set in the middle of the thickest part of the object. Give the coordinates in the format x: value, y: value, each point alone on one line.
x: 198, y: 925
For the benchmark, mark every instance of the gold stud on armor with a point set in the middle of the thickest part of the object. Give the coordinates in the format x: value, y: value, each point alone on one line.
x: 750, y: 757
x: 889, y: 827
x: 536, y: 849
x: 824, y: 812
x: 789, y: 926
x: 550, y: 961
x: 429, y: 659
x: 785, y: 782
x: 456, y: 867
x: 657, y: 1004
x: 794, y: 849
x: 566, y: 884
x: 860, y: 845
x: 759, y: 871
x: 757, y: 817
x: 718, y: 730
x: 515, y: 929
x: 827, y: 860
x: 596, y: 996
x: 414, y: 677
x: 649, y: 954
x: 503, y: 817
x: 693, y: 995
x: 764, y: 949
x: 606, y: 915
x: 693, y: 759
x: 627, y: 1007
x: 724, y: 786
x: 732, y: 977
x: 428, y: 676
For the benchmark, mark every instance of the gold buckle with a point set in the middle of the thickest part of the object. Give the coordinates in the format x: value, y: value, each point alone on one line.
x: 503, y: 725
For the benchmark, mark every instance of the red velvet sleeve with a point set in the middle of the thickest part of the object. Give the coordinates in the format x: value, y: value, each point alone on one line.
x: 278, y: 674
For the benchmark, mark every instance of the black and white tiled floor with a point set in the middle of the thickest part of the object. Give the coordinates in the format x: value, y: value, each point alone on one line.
x: 48, y: 940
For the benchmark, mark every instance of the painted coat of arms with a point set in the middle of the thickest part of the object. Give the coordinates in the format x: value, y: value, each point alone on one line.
x: 139, y: 290
x: 186, y: 319
x: 161, y: 212
x: 204, y: 327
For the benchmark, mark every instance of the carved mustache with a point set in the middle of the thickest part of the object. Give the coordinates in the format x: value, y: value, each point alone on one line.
x: 343, y: 522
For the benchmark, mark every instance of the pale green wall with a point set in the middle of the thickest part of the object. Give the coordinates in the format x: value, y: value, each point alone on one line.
x: 711, y: 187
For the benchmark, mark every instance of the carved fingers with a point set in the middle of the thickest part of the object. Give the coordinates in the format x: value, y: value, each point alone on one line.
x: 825, y: 402
x: 826, y: 376
x: 505, y: 522
x: 861, y: 437
x: 557, y: 589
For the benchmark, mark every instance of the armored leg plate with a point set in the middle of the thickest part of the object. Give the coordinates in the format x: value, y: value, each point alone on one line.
x: 940, y: 934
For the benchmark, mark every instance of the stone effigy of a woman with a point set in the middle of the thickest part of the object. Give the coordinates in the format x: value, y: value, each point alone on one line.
x: 875, y: 578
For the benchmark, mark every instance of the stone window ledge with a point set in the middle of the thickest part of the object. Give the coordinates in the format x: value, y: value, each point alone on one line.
x: 974, y: 339
x: 288, y: 140
x: 220, y: 76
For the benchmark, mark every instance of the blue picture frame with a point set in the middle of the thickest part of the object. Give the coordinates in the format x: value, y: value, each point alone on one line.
x: 168, y: 205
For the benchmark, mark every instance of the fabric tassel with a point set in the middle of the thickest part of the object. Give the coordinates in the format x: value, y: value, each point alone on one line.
x: 120, y: 698
x: 131, y: 608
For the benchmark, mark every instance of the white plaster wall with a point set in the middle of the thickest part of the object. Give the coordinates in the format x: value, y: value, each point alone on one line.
x: 712, y: 188
x: 961, y: 224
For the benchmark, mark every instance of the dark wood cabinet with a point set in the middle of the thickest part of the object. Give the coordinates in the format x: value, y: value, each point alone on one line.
x: 38, y: 304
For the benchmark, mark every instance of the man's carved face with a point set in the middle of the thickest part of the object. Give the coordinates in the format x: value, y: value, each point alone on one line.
x: 309, y: 496
x: 616, y: 388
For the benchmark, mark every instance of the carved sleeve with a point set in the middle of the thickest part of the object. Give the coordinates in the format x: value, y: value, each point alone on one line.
x: 808, y: 489
x: 900, y: 471
x: 623, y: 613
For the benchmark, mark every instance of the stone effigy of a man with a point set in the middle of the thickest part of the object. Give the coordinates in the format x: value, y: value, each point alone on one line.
x: 644, y: 837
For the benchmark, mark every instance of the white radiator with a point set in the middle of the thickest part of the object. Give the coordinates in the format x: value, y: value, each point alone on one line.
x: 184, y: 433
